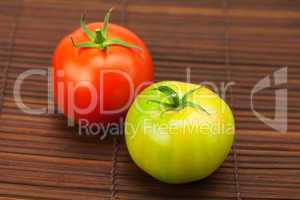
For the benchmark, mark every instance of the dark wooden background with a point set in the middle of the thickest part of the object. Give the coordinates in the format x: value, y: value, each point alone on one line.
x: 230, y: 40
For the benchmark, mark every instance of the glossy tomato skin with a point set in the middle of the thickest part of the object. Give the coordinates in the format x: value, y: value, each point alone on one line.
x: 179, y: 146
x: 115, y: 73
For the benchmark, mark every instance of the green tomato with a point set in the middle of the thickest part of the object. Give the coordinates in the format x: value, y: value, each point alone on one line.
x: 179, y: 132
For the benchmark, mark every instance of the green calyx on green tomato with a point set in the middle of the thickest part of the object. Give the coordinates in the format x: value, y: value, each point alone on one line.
x: 179, y: 132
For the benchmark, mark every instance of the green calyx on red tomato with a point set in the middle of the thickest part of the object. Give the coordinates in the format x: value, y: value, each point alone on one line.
x: 98, y: 72
x: 99, y: 38
x: 179, y: 132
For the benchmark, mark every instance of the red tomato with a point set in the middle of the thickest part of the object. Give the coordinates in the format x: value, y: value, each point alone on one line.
x: 96, y: 76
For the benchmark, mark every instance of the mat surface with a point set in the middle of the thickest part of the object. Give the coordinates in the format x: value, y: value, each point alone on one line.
x: 219, y: 41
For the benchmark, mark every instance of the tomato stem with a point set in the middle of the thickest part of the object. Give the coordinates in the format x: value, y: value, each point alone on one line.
x: 99, y: 38
x: 175, y: 102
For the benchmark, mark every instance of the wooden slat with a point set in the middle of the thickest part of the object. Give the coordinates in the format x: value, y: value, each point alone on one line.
x: 269, y: 164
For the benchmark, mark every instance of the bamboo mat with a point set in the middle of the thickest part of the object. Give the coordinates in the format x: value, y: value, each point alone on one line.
x: 229, y: 40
